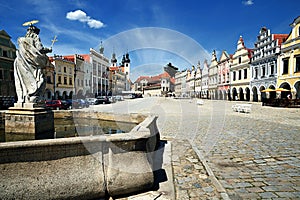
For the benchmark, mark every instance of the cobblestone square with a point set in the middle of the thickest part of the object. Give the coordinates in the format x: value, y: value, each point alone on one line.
x: 252, y: 155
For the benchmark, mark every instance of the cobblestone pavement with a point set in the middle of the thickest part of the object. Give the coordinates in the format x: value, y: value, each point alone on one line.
x: 191, y: 180
x: 251, y: 156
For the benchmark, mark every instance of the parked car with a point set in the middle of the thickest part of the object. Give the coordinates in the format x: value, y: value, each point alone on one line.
x: 112, y: 99
x: 102, y: 100
x: 70, y: 103
x: 91, y: 101
x: 80, y: 103
x: 57, y: 104
x: 129, y: 96
x: 119, y: 98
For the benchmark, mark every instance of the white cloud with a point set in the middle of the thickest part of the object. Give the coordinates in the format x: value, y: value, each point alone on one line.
x: 95, y: 23
x: 81, y: 16
x: 248, y: 2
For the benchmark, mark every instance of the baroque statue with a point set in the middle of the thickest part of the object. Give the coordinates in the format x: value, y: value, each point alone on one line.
x: 29, y: 66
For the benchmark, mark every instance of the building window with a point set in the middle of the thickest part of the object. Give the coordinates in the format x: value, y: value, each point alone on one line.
x: 70, y: 81
x: 240, y: 74
x: 297, y: 67
x: 12, y: 76
x: 59, y: 80
x: 49, y: 79
x: 285, y: 66
x: 256, y: 73
x: 240, y: 60
x: 1, y: 74
x: 226, y: 78
x: 65, y: 70
x: 272, y: 70
x: 5, y: 53
x: 245, y: 73
x: 234, y: 76
x: 263, y: 71
x: 65, y: 81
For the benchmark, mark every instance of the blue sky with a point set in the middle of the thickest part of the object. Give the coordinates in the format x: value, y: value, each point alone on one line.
x: 202, y: 26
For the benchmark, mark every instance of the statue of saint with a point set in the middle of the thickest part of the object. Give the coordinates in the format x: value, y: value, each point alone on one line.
x: 29, y: 67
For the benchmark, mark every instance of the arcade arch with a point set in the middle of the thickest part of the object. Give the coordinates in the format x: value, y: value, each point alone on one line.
x: 255, y: 94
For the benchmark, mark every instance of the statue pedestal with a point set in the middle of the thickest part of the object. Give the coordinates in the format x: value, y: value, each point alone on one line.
x: 27, y: 122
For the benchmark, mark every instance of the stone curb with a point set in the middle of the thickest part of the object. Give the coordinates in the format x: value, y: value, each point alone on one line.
x: 214, y: 180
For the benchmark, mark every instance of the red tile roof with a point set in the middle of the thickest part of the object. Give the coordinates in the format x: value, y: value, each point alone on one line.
x: 281, y: 38
x: 116, y: 68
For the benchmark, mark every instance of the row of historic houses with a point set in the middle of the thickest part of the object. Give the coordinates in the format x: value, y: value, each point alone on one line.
x: 68, y: 76
x: 269, y: 70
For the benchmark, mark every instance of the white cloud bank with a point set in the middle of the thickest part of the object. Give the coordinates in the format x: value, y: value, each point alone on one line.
x: 84, y: 18
x: 248, y: 2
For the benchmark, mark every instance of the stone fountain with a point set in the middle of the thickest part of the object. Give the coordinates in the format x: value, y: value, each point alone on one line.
x: 89, y: 167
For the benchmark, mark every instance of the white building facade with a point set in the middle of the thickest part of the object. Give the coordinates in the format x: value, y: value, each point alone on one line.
x: 263, y: 66
x: 100, y: 73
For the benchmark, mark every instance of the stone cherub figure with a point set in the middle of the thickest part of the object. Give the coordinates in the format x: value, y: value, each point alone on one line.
x: 29, y: 67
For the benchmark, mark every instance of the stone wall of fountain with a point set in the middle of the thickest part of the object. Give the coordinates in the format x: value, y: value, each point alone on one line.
x: 81, y: 167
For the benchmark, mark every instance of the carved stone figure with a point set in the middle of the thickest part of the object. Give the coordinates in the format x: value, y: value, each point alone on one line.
x: 29, y: 67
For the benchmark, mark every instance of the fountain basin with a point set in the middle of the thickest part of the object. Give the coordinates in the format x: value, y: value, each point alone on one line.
x: 87, y: 167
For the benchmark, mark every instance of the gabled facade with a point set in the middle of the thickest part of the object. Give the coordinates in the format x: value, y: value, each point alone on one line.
x: 180, y: 83
x: 289, y: 62
x: 198, y: 81
x: 205, y: 80
x: 213, y: 77
x: 223, y: 75
x: 263, y: 66
x: 190, y: 81
x: 240, y: 72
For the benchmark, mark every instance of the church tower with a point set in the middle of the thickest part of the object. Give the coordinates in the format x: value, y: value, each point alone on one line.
x: 126, y: 64
x: 114, y: 60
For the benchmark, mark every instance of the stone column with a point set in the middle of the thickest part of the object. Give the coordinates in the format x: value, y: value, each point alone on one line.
x: 259, y: 97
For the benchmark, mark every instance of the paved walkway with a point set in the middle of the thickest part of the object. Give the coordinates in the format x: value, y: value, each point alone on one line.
x: 221, y: 154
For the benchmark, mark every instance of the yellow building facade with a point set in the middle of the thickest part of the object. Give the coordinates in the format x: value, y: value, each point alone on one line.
x: 289, y: 61
x: 63, y: 77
